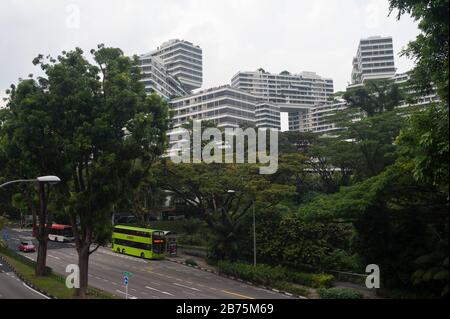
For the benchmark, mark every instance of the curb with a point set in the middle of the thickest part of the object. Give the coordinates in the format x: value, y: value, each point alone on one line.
x: 237, y: 279
x: 19, y: 275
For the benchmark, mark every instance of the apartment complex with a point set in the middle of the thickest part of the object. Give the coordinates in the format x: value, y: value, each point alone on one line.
x: 413, y: 98
x: 224, y: 105
x: 288, y: 90
x: 183, y: 60
x: 374, y: 60
x: 292, y: 93
x: 157, y: 79
x: 267, y: 115
x: 317, y: 119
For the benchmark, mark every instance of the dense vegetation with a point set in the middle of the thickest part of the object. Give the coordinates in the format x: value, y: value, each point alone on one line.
x: 376, y: 192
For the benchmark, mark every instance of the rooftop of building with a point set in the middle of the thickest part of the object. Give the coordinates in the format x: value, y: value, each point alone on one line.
x: 213, y: 89
x: 303, y: 74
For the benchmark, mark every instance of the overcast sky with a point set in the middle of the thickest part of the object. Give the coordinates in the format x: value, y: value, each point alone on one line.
x: 294, y: 35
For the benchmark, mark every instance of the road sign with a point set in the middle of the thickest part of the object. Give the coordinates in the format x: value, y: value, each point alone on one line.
x: 5, y: 236
x: 127, y: 274
x: 125, y: 280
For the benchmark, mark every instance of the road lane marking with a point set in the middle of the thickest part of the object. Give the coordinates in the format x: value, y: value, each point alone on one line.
x: 163, y: 292
x: 180, y: 285
x: 235, y: 294
x: 155, y: 283
x: 54, y: 257
x: 130, y: 296
x: 36, y: 291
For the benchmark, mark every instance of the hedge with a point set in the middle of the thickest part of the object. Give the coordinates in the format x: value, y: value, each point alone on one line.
x: 272, y: 275
x: 339, y: 293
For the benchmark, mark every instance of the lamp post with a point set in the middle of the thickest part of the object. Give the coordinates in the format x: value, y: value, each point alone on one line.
x: 41, y: 179
x: 41, y: 234
x: 231, y: 191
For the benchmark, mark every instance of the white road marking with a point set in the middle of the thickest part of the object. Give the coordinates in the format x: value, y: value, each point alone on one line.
x: 185, y: 286
x: 163, y: 292
x: 155, y: 283
x: 130, y: 296
x: 36, y: 291
x: 54, y: 257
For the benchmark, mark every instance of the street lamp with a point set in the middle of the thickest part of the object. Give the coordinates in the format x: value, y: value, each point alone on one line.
x: 41, y: 179
x: 230, y: 191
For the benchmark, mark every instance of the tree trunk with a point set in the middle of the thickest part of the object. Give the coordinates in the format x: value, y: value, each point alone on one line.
x: 83, y: 263
x: 42, y: 233
x: 41, y: 260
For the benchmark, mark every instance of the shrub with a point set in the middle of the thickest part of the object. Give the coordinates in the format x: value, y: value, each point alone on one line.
x: 261, y: 274
x: 301, y: 278
x: 191, y: 262
x: 321, y: 280
x: 339, y: 293
x: 300, y: 291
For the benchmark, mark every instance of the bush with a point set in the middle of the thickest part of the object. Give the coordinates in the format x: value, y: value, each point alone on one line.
x: 312, y: 280
x: 273, y: 276
x: 301, y: 278
x: 339, y: 293
x: 296, y: 290
x: 340, y: 260
x: 322, y: 280
x: 191, y: 262
x: 260, y: 274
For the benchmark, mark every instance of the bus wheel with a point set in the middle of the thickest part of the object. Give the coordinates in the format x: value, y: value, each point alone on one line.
x: 118, y: 250
x: 142, y: 255
x: 123, y: 251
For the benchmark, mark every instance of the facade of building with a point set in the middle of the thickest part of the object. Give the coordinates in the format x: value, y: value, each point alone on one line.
x: 183, y: 60
x: 287, y: 90
x: 226, y: 107
x: 317, y: 119
x: 414, y: 99
x: 374, y: 60
x: 267, y: 115
x: 157, y: 79
x: 292, y: 93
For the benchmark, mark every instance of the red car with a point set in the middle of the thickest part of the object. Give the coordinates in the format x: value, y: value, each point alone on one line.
x: 27, y: 245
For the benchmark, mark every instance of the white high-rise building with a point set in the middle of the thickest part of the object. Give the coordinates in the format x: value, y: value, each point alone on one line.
x: 226, y: 107
x: 292, y: 93
x: 157, y: 79
x: 183, y: 60
x: 267, y: 115
x: 374, y: 60
x: 317, y: 119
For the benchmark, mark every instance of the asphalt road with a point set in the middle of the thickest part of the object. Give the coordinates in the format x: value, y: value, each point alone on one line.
x: 151, y: 279
x: 12, y: 287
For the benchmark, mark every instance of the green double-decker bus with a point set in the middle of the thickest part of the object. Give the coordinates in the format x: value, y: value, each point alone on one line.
x: 140, y: 242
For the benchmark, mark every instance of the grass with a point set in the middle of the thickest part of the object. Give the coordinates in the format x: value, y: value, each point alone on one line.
x: 53, y: 284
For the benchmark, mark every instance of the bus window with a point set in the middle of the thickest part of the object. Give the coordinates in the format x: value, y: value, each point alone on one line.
x: 158, y: 242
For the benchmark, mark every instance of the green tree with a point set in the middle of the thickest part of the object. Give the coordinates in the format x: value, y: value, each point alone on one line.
x: 223, y: 195
x: 31, y: 148
x: 94, y: 121
x: 430, y: 48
